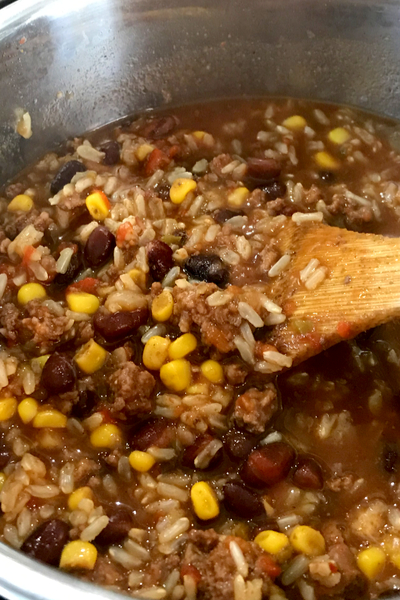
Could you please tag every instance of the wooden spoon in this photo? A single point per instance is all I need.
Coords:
(361, 288)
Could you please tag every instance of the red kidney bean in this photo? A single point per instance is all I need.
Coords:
(119, 325)
(308, 474)
(75, 264)
(99, 246)
(191, 452)
(65, 174)
(85, 405)
(390, 459)
(5, 457)
(153, 433)
(238, 444)
(47, 541)
(111, 150)
(58, 375)
(159, 127)
(268, 465)
(207, 267)
(159, 256)
(262, 170)
(241, 501)
(224, 214)
(327, 177)
(119, 524)
(274, 190)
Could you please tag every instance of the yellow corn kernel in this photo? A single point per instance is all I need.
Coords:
(212, 371)
(143, 150)
(98, 205)
(326, 161)
(155, 352)
(28, 409)
(162, 306)
(238, 197)
(295, 122)
(83, 302)
(339, 136)
(198, 388)
(2, 480)
(49, 417)
(91, 357)
(107, 435)
(371, 561)
(275, 543)
(176, 375)
(183, 345)
(78, 495)
(21, 202)
(307, 540)
(199, 135)
(180, 189)
(204, 500)
(30, 291)
(138, 276)
(78, 555)
(8, 406)
(141, 461)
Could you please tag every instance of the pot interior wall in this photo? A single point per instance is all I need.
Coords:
(80, 64)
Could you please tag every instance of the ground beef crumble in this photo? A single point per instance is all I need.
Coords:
(254, 409)
(132, 387)
(209, 553)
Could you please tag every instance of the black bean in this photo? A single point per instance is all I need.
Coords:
(159, 256)
(119, 524)
(238, 444)
(117, 326)
(268, 465)
(308, 474)
(65, 174)
(207, 267)
(153, 433)
(275, 189)
(75, 265)
(99, 246)
(58, 375)
(242, 501)
(191, 452)
(224, 214)
(111, 150)
(159, 127)
(47, 541)
(327, 177)
(262, 170)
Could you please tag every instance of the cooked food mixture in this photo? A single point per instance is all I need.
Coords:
(153, 439)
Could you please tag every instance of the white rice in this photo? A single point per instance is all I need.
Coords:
(171, 276)
(92, 531)
(123, 558)
(3, 284)
(87, 152)
(66, 478)
(274, 436)
(219, 298)
(153, 593)
(43, 491)
(239, 559)
(244, 349)
(161, 454)
(299, 217)
(171, 491)
(204, 457)
(3, 374)
(280, 265)
(173, 531)
(137, 550)
(248, 313)
(276, 358)
(274, 319)
(158, 329)
(309, 269)
(316, 278)
(269, 305)
(297, 567)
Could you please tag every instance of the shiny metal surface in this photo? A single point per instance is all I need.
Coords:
(78, 64)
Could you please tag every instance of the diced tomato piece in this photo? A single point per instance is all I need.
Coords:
(267, 564)
(192, 571)
(173, 151)
(89, 285)
(107, 418)
(123, 231)
(216, 337)
(157, 159)
(344, 329)
(29, 250)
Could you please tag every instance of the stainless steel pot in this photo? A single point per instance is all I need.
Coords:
(78, 64)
